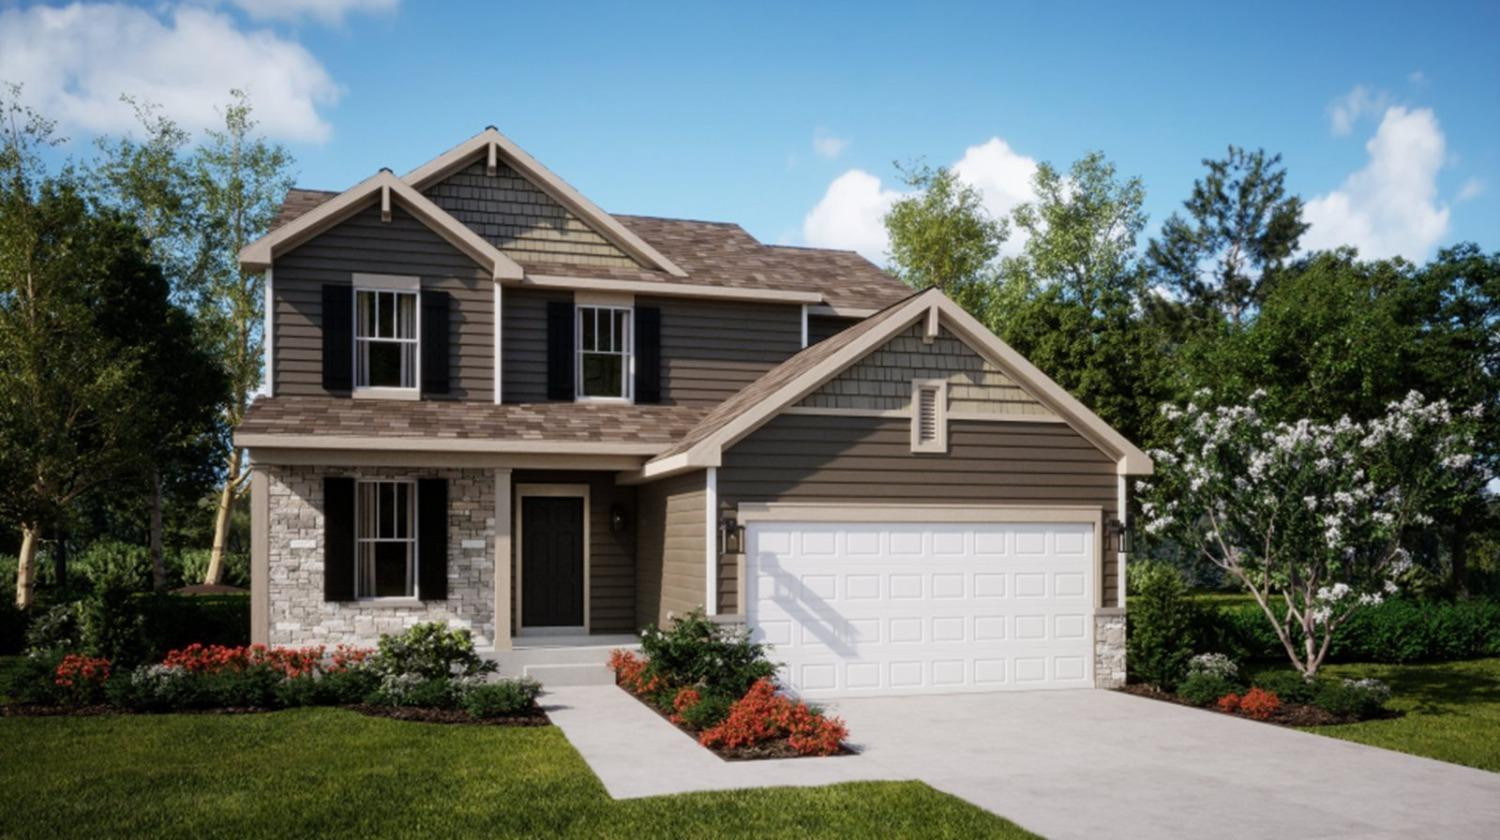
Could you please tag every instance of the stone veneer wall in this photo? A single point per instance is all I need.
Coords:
(881, 381)
(298, 613)
(1109, 650)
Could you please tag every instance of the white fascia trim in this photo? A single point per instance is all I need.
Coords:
(417, 444)
(711, 540)
(267, 340)
(884, 512)
(498, 354)
(544, 178)
(804, 326)
(259, 255)
(665, 289)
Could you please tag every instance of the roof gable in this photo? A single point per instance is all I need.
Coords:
(388, 190)
(881, 381)
(491, 150)
(810, 370)
(521, 220)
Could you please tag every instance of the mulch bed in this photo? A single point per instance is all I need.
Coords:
(1290, 714)
(533, 717)
(771, 749)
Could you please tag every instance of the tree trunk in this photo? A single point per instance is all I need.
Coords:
(26, 567)
(215, 573)
(158, 563)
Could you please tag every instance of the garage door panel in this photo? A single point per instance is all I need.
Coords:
(867, 609)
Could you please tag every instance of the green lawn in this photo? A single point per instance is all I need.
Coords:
(329, 772)
(1452, 711)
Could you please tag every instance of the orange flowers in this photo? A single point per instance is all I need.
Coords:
(765, 715)
(78, 671)
(289, 662)
(1257, 703)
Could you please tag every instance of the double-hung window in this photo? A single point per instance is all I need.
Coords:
(385, 339)
(385, 515)
(604, 348)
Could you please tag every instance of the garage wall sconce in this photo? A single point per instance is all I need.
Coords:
(731, 536)
(1115, 528)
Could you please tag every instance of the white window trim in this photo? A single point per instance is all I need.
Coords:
(939, 443)
(414, 562)
(628, 375)
(387, 283)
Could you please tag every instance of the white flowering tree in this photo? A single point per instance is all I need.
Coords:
(1308, 517)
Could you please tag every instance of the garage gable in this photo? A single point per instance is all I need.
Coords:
(882, 380)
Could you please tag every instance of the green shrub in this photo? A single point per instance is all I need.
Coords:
(55, 630)
(1290, 686)
(175, 621)
(253, 687)
(430, 651)
(1359, 699)
(708, 712)
(157, 688)
(697, 652)
(1159, 634)
(187, 566)
(416, 690)
(1398, 631)
(502, 697)
(111, 564)
(33, 679)
(1203, 688)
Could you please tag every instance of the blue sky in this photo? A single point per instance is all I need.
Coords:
(786, 118)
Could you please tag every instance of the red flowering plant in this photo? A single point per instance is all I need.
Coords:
(218, 659)
(1260, 704)
(764, 714)
(683, 702)
(80, 679)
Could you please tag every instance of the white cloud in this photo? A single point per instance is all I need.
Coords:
(76, 60)
(324, 11)
(826, 145)
(852, 211)
(1353, 106)
(1390, 206)
(851, 215)
(1471, 189)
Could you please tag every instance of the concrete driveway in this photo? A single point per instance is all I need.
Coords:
(1074, 764)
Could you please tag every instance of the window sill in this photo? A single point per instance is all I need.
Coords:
(393, 603)
(614, 400)
(386, 394)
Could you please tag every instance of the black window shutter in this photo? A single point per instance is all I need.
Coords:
(647, 354)
(559, 350)
(338, 539)
(432, 539)
(338, 338)
(435, 331)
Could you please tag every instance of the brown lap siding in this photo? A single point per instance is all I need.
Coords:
(671, 546)
(365, 245)
(814, 458)
(712, 349)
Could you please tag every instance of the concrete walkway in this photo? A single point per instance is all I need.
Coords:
(1071, 764)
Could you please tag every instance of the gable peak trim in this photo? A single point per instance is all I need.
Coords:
(495, 145)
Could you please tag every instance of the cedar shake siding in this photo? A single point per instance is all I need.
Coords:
(710, 350)
(521, 220)
(364, 244)
(869, 459)
(612, 573)
(670, 545)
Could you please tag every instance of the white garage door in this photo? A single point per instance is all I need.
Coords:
(874, 608)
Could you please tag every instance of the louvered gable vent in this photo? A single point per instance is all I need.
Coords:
(929, 422)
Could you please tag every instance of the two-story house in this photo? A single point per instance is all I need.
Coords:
(491, 403)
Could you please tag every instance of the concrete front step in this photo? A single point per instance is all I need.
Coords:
(556, 676)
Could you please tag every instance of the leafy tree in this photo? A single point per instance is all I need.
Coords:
(1241, 228)
(240, 179)
(1070, 299)
(1309, 517)
(942, 236)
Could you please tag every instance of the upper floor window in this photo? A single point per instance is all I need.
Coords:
(604, 350)
(385, 339)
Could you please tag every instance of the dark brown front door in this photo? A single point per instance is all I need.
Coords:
(551, 561)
